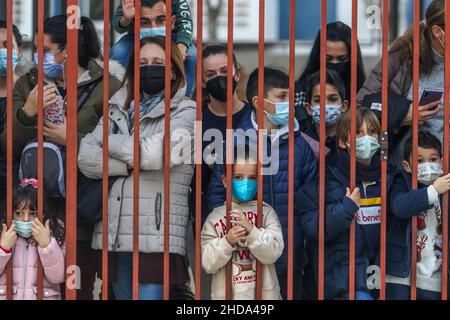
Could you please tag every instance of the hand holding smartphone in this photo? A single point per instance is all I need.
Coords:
(429, 96)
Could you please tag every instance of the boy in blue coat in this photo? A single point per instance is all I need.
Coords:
(276, 176)
(425, 203)
(336, 104)
(343, 206)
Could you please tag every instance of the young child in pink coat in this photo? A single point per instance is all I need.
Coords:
(26, 242)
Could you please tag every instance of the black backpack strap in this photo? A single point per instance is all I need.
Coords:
(87, 93)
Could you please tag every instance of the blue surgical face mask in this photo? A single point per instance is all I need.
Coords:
(152, 32)
(333, 111)
(244, 190)
(281, 116)
(23, 229)
(4, 61)
(51, 68)
(366, 147)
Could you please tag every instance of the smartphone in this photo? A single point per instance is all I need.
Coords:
(429, 96)
(55, 112)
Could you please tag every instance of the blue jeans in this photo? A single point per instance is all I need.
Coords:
(123, 288)
(121, 51)
(363, 295)
(359, 295)
(401, 292)
(297, 286)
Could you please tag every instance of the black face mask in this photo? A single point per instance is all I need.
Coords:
(339, 67)
(342, 68)
(217, 88)
(152, 79)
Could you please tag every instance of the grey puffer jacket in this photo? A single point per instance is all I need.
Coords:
(151, 178)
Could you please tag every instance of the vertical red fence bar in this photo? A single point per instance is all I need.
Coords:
(40, 133)
(167, 150)
(384, 151)
(351, 269)
(446, 154)
(259, 217)
(136, 145)
(416, 70)
(290, 277)
(105, 246)
(72, 138)
(199, 147)
(323, 75)
(9, 88)
(229, 138)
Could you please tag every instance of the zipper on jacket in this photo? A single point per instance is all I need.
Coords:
(25, 273)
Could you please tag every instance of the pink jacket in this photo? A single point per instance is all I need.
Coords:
(25, 265)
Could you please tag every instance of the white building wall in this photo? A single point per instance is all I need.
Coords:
(23, 17)
(246, 20)
(369, 37)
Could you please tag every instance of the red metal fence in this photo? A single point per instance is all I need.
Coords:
(72, 77)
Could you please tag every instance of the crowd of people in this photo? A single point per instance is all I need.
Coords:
(243, 244)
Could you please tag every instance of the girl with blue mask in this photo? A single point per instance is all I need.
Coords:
(89, 81)
(28, 240)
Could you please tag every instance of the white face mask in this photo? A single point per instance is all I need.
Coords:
(428, 172)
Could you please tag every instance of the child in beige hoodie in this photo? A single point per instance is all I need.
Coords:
(244, 244)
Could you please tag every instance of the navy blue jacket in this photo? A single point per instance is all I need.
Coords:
(339, 214)
(276, 189)
(397, 111)
(404, 204)
(330, 143)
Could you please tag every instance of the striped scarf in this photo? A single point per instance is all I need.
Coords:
(145, 107)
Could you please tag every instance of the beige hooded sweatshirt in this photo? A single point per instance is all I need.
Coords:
(264, 244)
